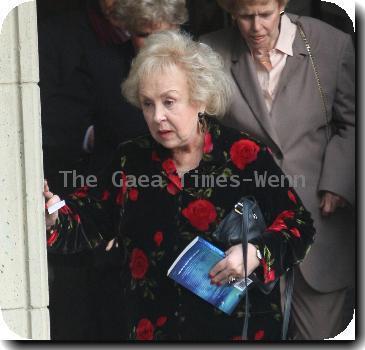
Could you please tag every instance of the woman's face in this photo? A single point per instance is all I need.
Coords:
(170, 115)
(259, 23)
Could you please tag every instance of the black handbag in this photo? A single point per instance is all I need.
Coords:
(244, 223)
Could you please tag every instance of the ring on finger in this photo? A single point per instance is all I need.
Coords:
(232, 279)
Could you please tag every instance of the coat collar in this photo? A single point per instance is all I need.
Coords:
(215, 154)
(299, 54)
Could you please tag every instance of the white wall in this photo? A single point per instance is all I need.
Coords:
(23, 265)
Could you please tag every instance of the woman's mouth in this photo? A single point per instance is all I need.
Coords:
(164, 133)
(258, 39)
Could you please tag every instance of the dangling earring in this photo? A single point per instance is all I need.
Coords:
(202, 122)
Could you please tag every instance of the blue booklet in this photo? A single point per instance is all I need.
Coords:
(191, 270)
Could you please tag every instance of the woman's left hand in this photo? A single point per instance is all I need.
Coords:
(330, 202)
(232, 265)
(50, 199)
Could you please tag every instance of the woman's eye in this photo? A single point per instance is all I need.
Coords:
(245, 17)
(169, 103)
(266, 15)
(146, 104)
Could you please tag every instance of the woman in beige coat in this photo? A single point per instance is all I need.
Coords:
(279, 100)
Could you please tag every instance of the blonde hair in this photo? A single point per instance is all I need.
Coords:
(135, 14)
(231, 6)
(207, 81)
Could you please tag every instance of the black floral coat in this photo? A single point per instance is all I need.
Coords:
(155, 213)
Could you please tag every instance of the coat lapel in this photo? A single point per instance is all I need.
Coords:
(244, 74)
(292, 64)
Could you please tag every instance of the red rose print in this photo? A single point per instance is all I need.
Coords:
(200, 213)
(52, 238)
(264, 266)
(169, 166)
(172, 189)
(138, 264)
(243, 152)
(279, 223)
(292, 197)
(295, 232)
(155, 157)
(76, 217)
(175, 185)
(158, 238)
(105, 196)
(65, 210)
(259, 335)
(175, 179)
(270, 276)
(81, 192)
(286, 214)
(119, 200)
(269, 273)
(133, 194)
(144, 330)
(208, 144)
(161, 321)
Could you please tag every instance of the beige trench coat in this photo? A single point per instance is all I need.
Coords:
(296, 132)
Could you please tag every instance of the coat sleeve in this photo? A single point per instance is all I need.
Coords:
(92, 213)
(339, 161)
(290, 232)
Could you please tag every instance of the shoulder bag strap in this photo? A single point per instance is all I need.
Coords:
(289, 285)
(315, 70)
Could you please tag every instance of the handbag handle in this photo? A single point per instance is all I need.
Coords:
(288, 294)
(316, 75)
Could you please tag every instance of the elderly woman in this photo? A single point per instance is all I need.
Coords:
(300, 103)
(150, 197)
(91, 95)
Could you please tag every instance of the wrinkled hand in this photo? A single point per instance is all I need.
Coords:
(330, 202)
(50, 199)
(232, 265)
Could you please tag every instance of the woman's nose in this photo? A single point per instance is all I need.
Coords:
(159, 115)
(256, 23)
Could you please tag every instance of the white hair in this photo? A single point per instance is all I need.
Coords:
(208, 83)
(135, 14)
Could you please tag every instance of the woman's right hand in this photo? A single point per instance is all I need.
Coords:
(50, 199)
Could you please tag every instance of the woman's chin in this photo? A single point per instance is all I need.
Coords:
(167, 143)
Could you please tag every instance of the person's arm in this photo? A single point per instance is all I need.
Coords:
(91, 214)
(338, 171)
(289, 231)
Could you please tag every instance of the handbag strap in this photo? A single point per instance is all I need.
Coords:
(288, 296)
(316, 75)
(288, 293)
(244, 251)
